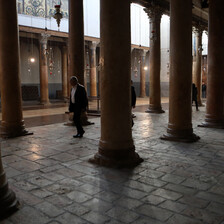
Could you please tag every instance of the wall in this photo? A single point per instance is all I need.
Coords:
(30, 71)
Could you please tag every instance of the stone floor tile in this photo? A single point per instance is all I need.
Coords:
(182, 220)
(211, 197)
(68, 218)
(25, 166)
(40, 181)
(203, 215)
(96, 218)
(193, 201)
(97, 205)
(139, 186)
(11, 172)
(59, 200)
(107, 196)
(153, 199)
(78, 196)
(181, 189)
(123, 215)
(173, 178)
(173, 206)
(216, 208)
(128, 203)
(154, 212)
(167, 194)
(41, 193)
(196, 184)
(77, 209)
(147, 220)
(29, 215)
(49, 209)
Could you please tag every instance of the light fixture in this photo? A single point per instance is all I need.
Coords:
(145, 68)
(32, 60)
(58, 15)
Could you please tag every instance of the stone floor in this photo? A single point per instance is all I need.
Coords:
(178, 183)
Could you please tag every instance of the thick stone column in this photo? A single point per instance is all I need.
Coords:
(154, 13)
(11, 93)
(44, 92)
(65, 72)
(93, 78)
(12, 124)
(197, 71)
(214, 117)
(76, 40)
(142, 74)
(116, 147)
(8, 201)
(180, 109)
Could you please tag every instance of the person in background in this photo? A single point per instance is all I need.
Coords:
(195, 95)
(203, 88)
(78, 103)
(133, 97)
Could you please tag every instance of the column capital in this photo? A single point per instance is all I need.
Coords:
(154, 12)
(44, 38)
(143, 52)
(198, 29)
(93, 45)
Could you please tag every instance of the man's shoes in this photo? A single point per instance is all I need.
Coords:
(79, 135)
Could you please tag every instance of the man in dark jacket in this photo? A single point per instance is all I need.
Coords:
(78, 103)
(195, 95)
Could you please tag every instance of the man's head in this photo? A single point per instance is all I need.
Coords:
(73, 81)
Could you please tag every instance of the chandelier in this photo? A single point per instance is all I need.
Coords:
(58, 15)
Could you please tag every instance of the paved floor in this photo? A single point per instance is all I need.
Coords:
(178, 183)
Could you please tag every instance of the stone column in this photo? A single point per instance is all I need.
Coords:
(197, 71)
(12, 124)
(142, 74)
(93, 78)
(214, 117)
(76, 40)
(65, 72)
(10, 92)
(116, 147)
(154, 13)
(180, 109)
(44, 92)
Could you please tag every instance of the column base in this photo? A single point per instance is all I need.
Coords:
(155, 110)
(45, 103)
(8, 201)
(211, 125)
(116, 158)
(180, 136)
(13, 130)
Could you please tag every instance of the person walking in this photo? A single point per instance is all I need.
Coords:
(78, 104)
(195, 95)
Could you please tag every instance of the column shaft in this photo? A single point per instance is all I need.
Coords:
(180, 109)
(65, 72)
(10, 93)
(116, 147)
(215, 104)
(76, 40)
(154, 13)
(142, 74)
(93, 79)
(12, 124)
(44, 92)
(197, 79)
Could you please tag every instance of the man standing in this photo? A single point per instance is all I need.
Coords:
(78, 103)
